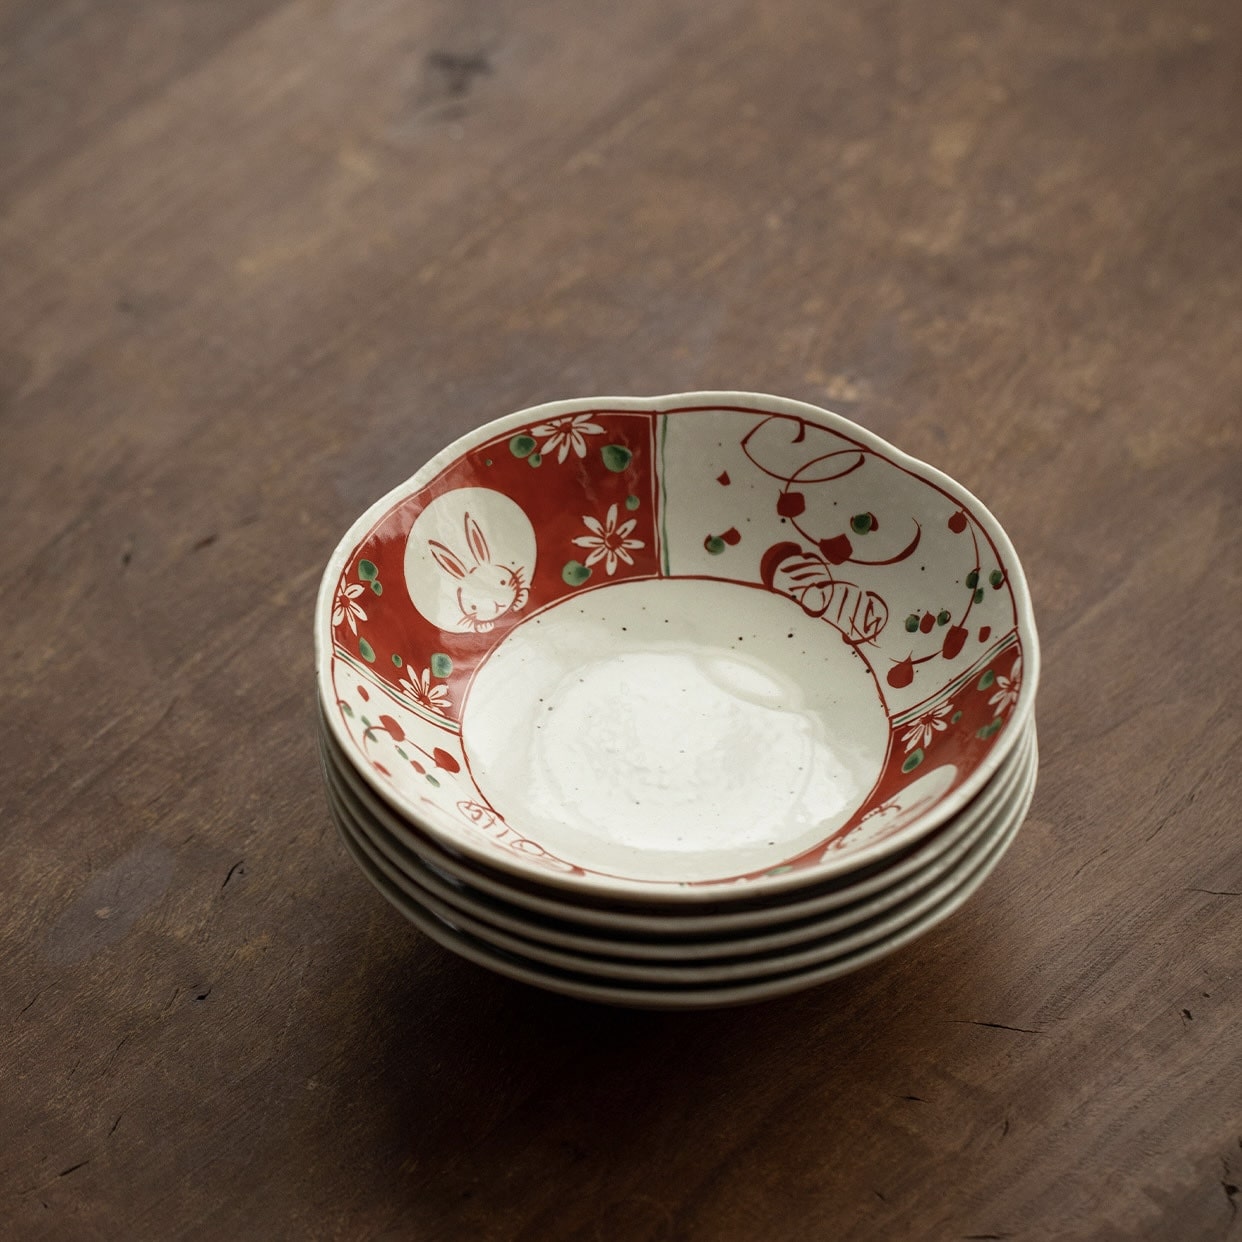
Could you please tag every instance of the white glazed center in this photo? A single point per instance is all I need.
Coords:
(675, 729)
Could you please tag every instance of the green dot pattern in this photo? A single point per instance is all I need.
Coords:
(616, 457)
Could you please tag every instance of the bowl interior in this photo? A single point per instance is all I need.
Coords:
(697, 641)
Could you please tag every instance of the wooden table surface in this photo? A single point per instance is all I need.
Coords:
(259, 260)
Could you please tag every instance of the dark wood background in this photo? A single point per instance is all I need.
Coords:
(259, 260)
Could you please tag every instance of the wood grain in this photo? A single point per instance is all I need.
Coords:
(260, 260)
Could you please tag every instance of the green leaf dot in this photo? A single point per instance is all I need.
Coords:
(987, 679)
(575, 573)
(367, 571)
(912, 622)
(397, 660)
(349, 711)
(366, 651)
(955, 717)
(942, 618)
(535, 459)
(996, 577)
(781, 870)
(861, 522)
(487, 461)
(431, 780)
(631, 503)
(913, 759)
(521, 446)
(972, 579)
(441, 665)
(979, 596)
(988, 730)
(378, 587)
(616, 457)
(714, 544)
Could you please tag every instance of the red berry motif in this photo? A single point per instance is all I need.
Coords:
(837, 550)
(732, 537)
(901, 674)
(926, 623)
(392, 728)
(790, 504)
(445, 760)
(957, 523)
(954, 641)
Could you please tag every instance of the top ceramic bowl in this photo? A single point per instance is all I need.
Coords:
(678, 649)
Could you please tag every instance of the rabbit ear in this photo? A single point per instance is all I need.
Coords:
(446, 560)
(475, 541)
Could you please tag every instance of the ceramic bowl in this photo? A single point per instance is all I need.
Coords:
(647, 993)
(675, 933)
(563, 942)
(678, 649)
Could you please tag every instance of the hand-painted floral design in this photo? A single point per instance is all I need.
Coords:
(609, 542)
(430, 697)
(1007, 688)
(563, 434)
(829, 523)
(923, 728)
(346, 607)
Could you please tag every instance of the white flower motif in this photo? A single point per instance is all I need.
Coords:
(419, 688)
(609, 542)
(1007, 689)
(567, 433)
(346, 607)
(926, 726)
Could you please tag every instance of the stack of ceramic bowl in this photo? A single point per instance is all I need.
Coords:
(677, 703)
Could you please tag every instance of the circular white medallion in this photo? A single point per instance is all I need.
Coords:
(469, 558)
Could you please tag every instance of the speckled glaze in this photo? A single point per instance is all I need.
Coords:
(682, 647)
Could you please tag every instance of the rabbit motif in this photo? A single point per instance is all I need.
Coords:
(485, 591)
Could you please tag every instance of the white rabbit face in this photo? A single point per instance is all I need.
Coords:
(469, 559)
(488, 592)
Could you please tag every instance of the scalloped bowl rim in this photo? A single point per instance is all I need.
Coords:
(592, 885)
